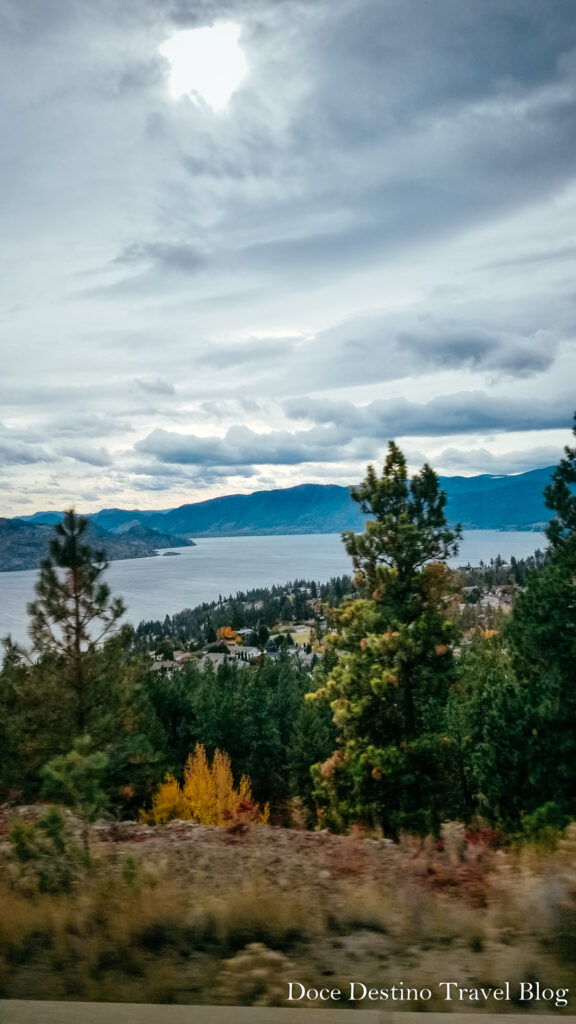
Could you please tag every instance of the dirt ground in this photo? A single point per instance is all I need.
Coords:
(192, 914)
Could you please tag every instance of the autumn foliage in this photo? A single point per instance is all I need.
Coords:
(207, 795)
(229, 635)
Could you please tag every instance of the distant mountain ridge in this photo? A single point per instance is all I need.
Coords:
(485, 502)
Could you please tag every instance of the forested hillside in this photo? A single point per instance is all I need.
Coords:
(23, 545)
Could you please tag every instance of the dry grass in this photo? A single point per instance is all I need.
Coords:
(167, 922)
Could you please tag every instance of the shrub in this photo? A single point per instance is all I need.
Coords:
(545, 825)
(257, 976)
(45, 854)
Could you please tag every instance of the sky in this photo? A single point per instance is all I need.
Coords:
(370, 236)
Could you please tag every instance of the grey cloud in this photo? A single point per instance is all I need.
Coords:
(211, 475)
(160, 479)
(422, 54)
(74, 398)
(22, 433)
(464, 412)
(25, 20)
(182, 257)
(156, 387)
(112, 400)
(242, 446)
(183, 475)
(565, 252)
(237, 163)
(20, 499)
(479, 350)
(441, 113)
(347, 432)
(221, 409)
(87, 454)
(17, 453)
(443, 137)
(139, 74)
(370, 145)
(41, 395)
(475, 348)
(480, 460)
(380, 347)
(153, 483)
(177, 473)
(405, 65)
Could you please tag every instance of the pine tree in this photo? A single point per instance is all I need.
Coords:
(77, 779)
(560, 497)
(542, 633)
(81, 682)
(388, 691)
(73, 611)
(492, 732)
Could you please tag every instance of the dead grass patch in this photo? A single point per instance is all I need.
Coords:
(163, 923)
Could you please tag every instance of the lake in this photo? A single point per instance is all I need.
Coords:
(155, 587)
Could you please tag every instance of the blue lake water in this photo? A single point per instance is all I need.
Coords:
(154, 587)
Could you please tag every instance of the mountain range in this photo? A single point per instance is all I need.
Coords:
(485, 502)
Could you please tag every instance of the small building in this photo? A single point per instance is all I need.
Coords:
(213, 659)
(252, 655)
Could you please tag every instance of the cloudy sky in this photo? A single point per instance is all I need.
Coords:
(374, 238)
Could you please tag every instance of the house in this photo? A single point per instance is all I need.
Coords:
(165, 666)
(212, 659)
(299, 655)
(252, 655)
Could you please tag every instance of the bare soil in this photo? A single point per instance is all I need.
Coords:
(185, 913)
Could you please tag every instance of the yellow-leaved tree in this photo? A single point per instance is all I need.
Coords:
(168, 803)
(208, 795)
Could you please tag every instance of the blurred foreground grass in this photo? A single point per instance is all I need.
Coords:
(192, 914)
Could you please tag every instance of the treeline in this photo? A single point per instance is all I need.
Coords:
(88, 709)
(148, 722)
(497, 572)
(262, 606)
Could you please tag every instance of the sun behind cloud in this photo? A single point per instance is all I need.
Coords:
(206, 62)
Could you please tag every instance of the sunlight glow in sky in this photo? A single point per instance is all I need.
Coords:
(206, 62)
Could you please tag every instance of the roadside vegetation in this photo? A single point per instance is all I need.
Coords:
(198, 914)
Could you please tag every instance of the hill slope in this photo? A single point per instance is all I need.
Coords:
(498, 502)
(23, 545)
(138, 531)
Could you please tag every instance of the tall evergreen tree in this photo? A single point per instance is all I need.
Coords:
(560, 497)
(542, 633)
(388, 691)
(73, 611)
(82, 678)
(491, 729)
